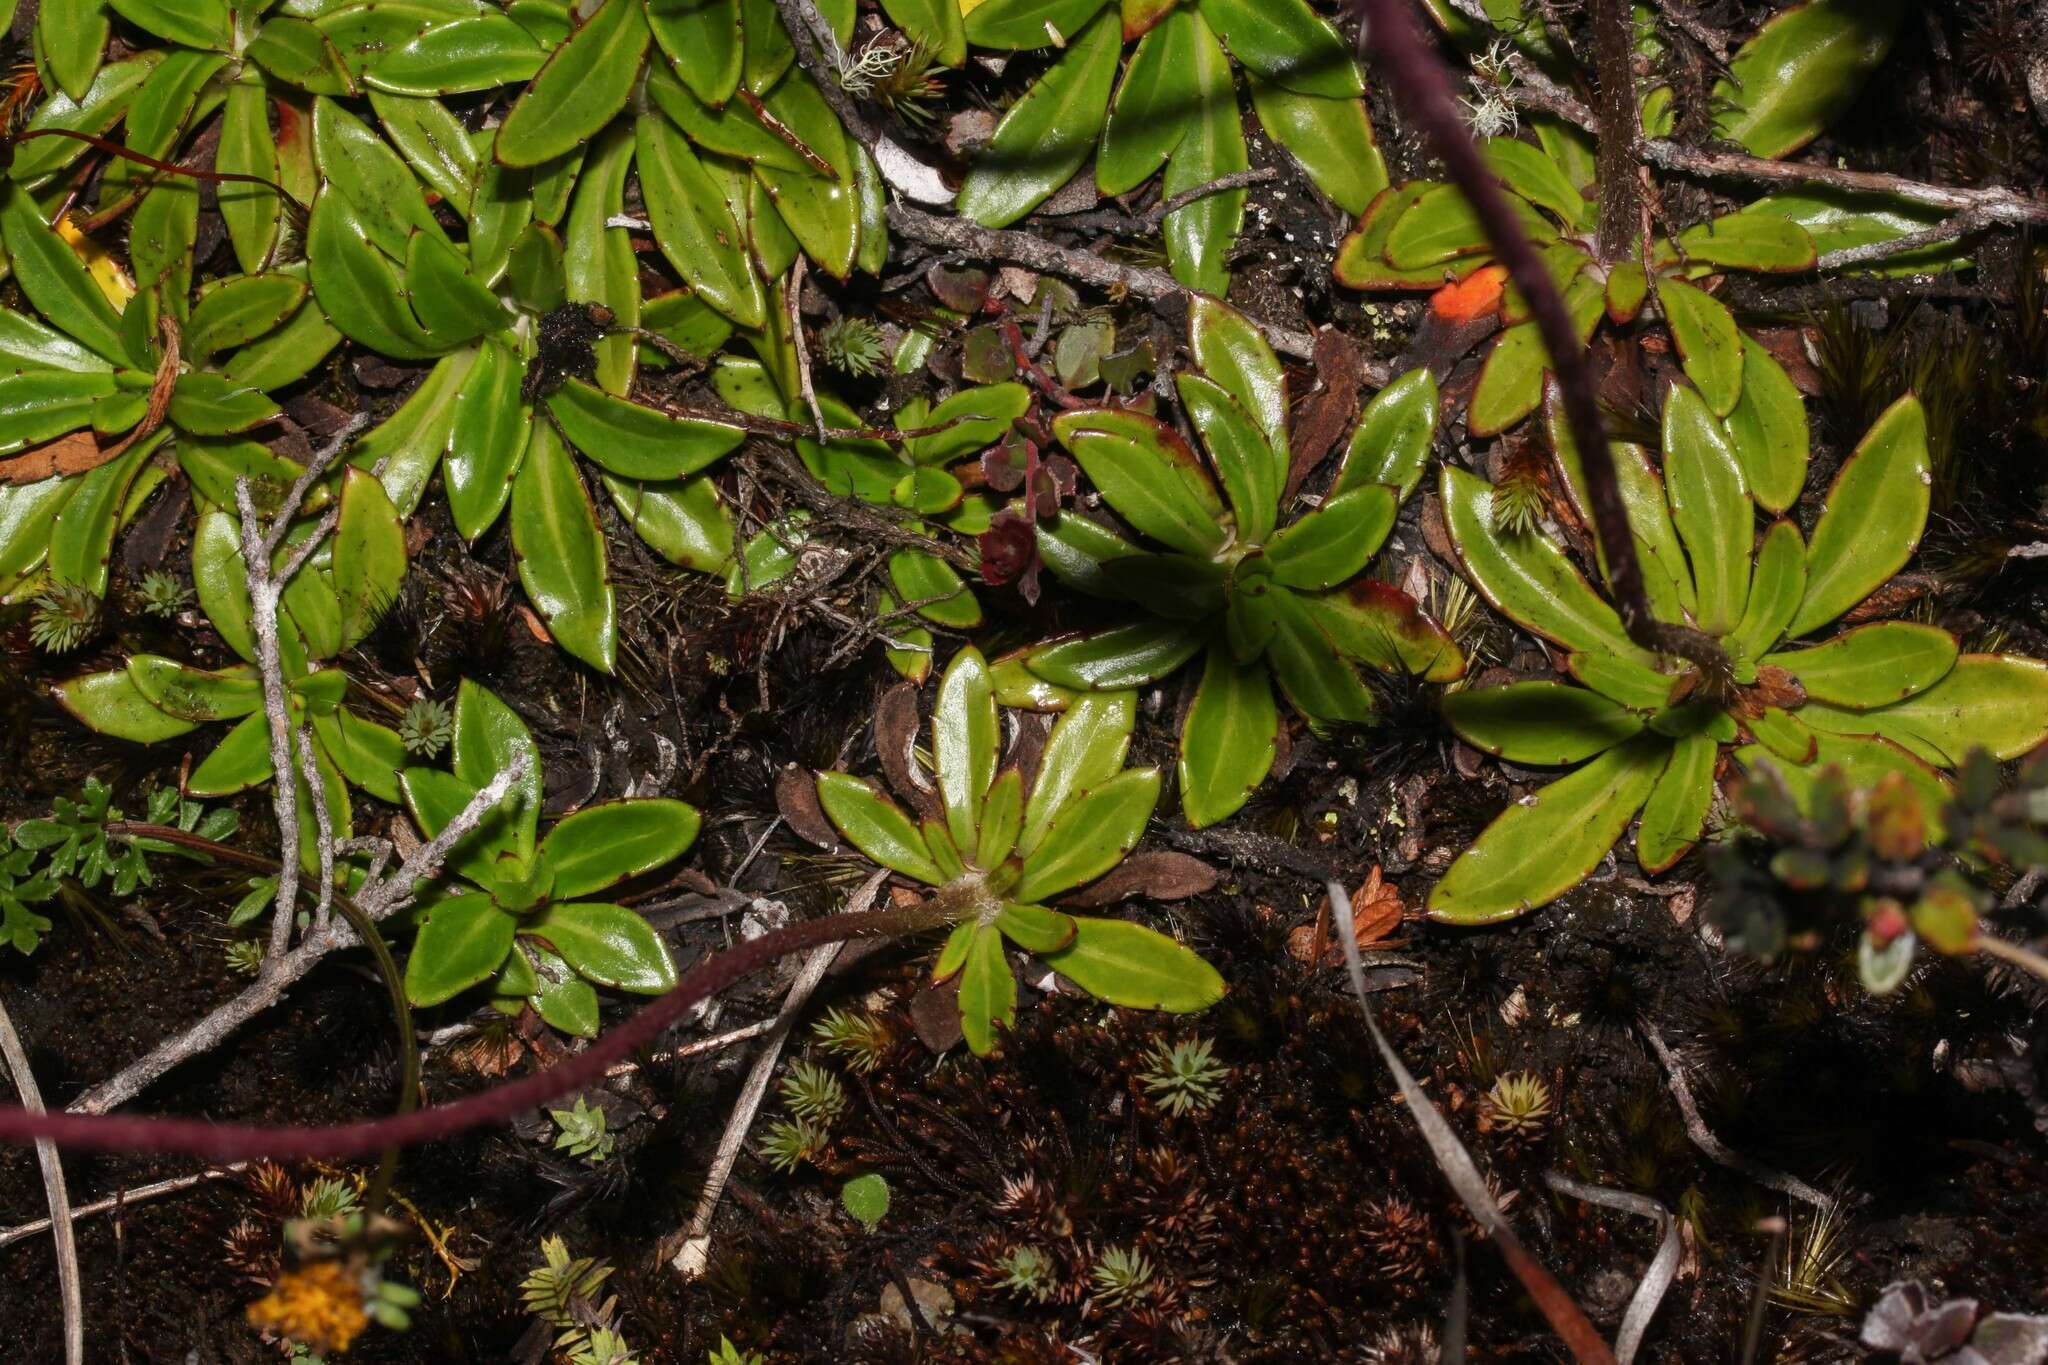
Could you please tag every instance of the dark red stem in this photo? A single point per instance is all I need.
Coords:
(1423, 88)
(222, 1142)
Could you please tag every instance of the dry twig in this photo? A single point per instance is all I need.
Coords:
(69, 1287)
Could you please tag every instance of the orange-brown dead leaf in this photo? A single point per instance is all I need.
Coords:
(1376, 914)
(1471, 298)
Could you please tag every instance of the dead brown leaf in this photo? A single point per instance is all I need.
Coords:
(1376, 914)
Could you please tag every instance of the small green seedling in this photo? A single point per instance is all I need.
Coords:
(866, 1199)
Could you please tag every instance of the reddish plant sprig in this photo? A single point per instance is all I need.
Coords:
(221, 1142)
(1422, 87)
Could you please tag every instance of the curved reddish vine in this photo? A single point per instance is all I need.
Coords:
(238, 1142)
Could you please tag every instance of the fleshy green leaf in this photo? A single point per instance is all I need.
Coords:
(1048, 134)
(1332, 138)
(1091, 835)
(560, 550)
(1153, 106)
(1875, 512)
(1873, 665)
(586, 82)
(1768, 425)
(1199, 235)
(488, 736)
(600, 846)
(1803, 69)
(1776, 586)
(1676, 810)
(1021, 24)
(1086, 749)
(492, 429)
(1392, 440)
(988, 990)
(693, 225)
(1335, 541)
(1378, 624)
(1034, 928)
(1749, 241)
(636, 442)
(877, 826)
(1251, 471)
(462, 942)
(607, 944)
(1551, 840)
(1123, 656)
(195, 694)
(112, 704)
(1287, 43)
(1148, 474)
(1997, 702)
(55, 280)
(1127, 964)
(1227, 744)
(480, 53)
(1708, 342)
(1316, 675)
(1539, 723)
(964, 743)
(1230, 350)
(1710, 508)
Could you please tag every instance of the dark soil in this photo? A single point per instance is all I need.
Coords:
(1300, 1219)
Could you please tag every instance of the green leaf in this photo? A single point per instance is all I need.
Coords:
(1287, 43)
(1511, 381)
(1438, 226)
(253, 213)
(586, 82)
(1316, 675)
(695, 229)
(82, 536)
(469, 55)
(195, 694)
(1228, 742)
(1997, 702)
(1527, 577)
(607, 944)
(1085, 750)
(1049, 134)
(1676, 810)
(1749, 241)
(877, 826)
(111, 704)
(1251, 472)
(1001, 817)
(450, 303)
(1864, 761)
(195, 23)
(1199, 235)
(297, 53)
(1525, 170)
(1802, 70)
(1776, 586)
(434, 144)
(1023, 24)
(734, 131)
(981, 415)
(1768, 425)
(686, 522)
(1091, 834)
(1378, 624)
(1148, 474)
(1707, 340)
(1784, 734)
(1837, 219)
(408, 443)
(1334, 543)
(600, 266)
(1153, 107)
(565, 1000)
(1036, 929)
(921, 577)
(1627, 285)
(935, 23)
(1548, 842)
(964, 743)
(462, 942)
(435, 798)
(1871, 666)
(988, 990)
(1539, 723)
(212, 405)
(1127, 964)
(491, 431)
(1391, 442)
(221, 580)
(635, 442)
(369, 555)
(41, 404)
(1331, 137)
(287, 354)
(237, 310)
(358, 287)
(1875, 512)
(1362, 255)
(55, 280)
(704, 41)
(356, 166)
(239, 762)
(822, 213)
(1710, 508)
(1123, 656)
(367, 754)
(72, 34)
(561, 552)
(1230, 350)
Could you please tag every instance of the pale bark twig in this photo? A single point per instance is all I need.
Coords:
(70, 1288)
(141, 1194)
(1704, 1139)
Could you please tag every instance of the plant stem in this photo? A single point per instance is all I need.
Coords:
(234, 1142)
(1423, 88)
(1621, 193)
